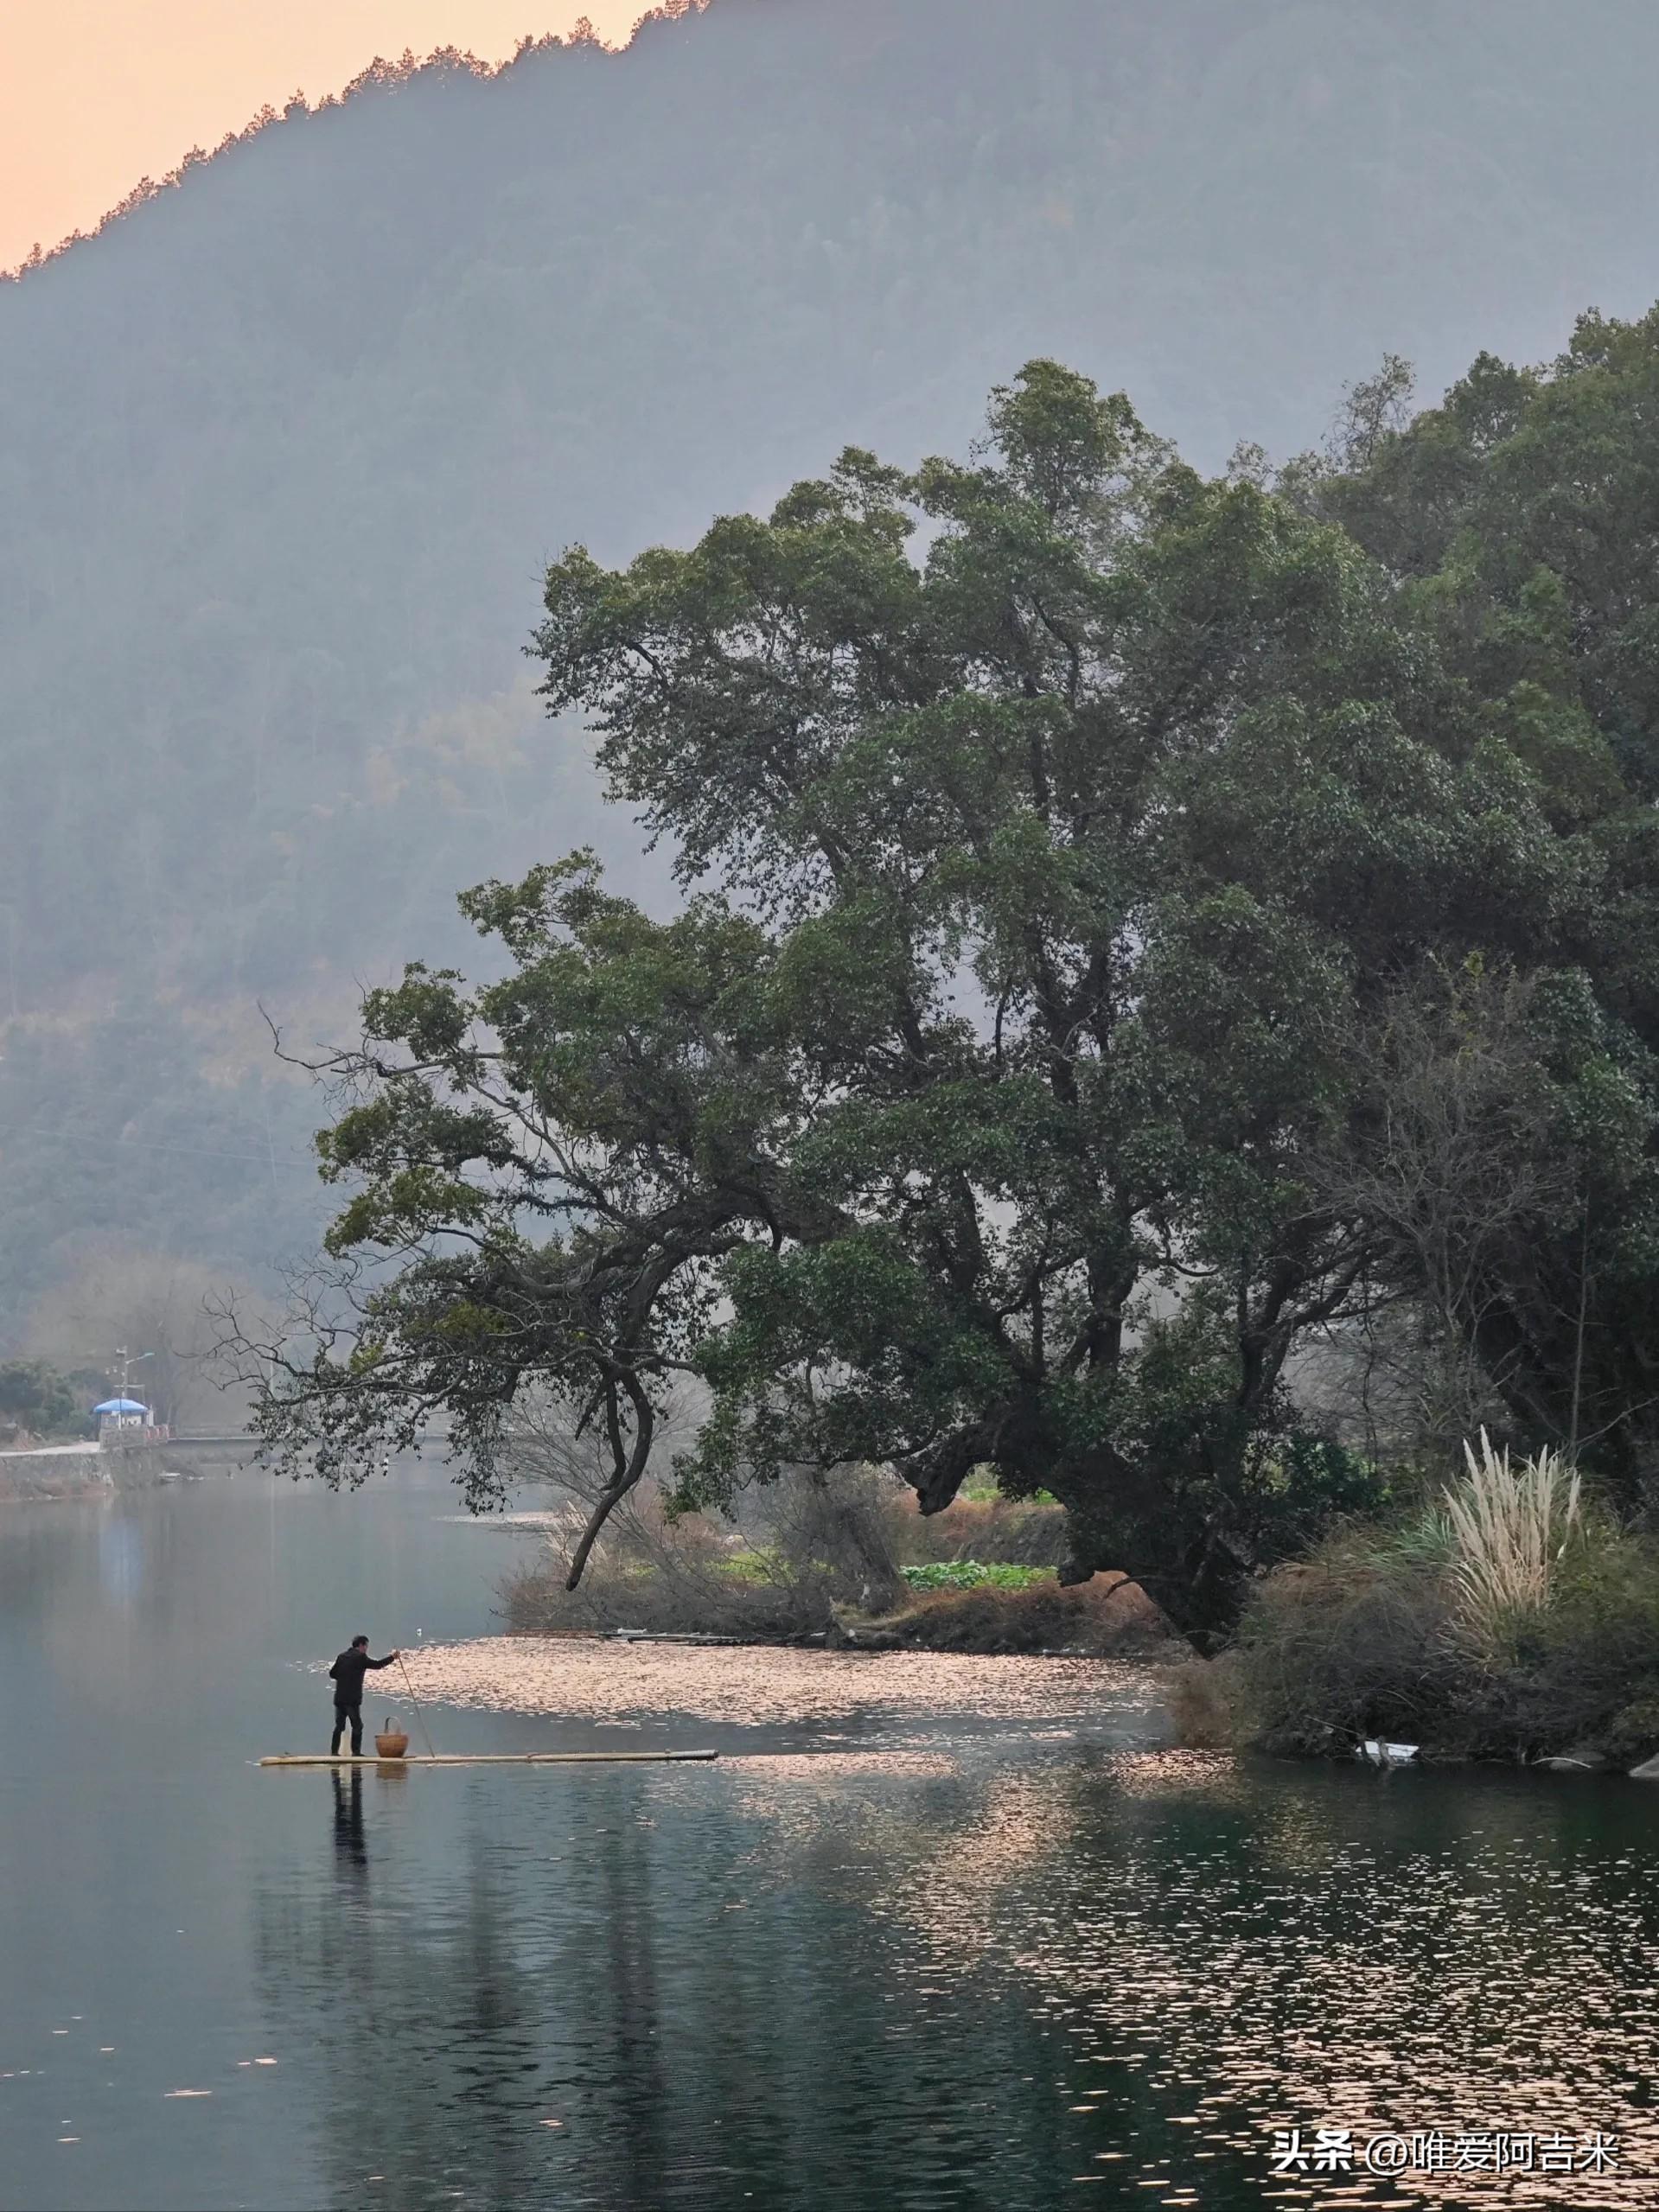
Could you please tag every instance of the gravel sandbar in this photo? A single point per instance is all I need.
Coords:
(594, 1678)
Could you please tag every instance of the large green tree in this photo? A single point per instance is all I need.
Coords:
(1056, 826)
(36, 1399)
(1518, 525)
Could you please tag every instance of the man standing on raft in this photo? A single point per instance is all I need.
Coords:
(347, 1675)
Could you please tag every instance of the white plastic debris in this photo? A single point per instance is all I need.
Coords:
(1380, 1754)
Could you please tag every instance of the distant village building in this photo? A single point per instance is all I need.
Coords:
(121, 1420)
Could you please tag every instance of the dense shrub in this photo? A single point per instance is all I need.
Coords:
(36, 1401)
(808, 1547)
(1517, 1623)
(810, 1559)
(1350, 1643)
(614, 1595)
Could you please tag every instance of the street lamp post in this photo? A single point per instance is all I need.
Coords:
(129, 1361)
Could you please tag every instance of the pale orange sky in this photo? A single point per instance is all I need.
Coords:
(96, 94)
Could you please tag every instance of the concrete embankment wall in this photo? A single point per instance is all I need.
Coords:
(63, 1474)
(56, 1474)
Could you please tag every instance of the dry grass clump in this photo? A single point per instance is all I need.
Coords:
(1012, 1532)
(1351, 1642)
(1104, 1617)
(1510, 1533)
(536, 1602)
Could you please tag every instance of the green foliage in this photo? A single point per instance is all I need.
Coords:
(1305, 1482)
(752, 1567)
(1059, 830)
(34, 1397)
(974, 1574)
(1516, 520)
(980, 1487)
(764, 1566)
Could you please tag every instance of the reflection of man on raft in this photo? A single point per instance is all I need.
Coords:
(350, 1841)
(347, 1675)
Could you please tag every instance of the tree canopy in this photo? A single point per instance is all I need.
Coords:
(1517, 524)
(1058, 829)
(36, 1399)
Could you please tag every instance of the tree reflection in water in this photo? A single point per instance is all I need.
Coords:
(630, 1959)
(956, 1982)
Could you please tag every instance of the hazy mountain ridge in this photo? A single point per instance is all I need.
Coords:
(281, 451)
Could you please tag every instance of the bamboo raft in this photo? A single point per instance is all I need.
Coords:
(488, 1758)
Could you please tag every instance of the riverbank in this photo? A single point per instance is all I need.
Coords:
(1108, 1618)
(91, 1471)
(62, 1470)
(852, 1564)
(1511, 1617)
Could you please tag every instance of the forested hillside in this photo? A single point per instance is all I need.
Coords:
(285, 449)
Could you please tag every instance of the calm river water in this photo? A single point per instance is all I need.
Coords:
(947, 1960)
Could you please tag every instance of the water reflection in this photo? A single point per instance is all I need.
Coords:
(351, 1846)
(120, 1556)
(952, 1962)
(983, 1987)
(1226, 1951)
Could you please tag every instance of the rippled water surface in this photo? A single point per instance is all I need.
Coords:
(931, 1933)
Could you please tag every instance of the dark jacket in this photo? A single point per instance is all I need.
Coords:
(347, 1675)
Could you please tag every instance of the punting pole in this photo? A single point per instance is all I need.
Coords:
(415, 1701)
(490, 1759)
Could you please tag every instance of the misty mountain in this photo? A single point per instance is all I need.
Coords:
(285, 449)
